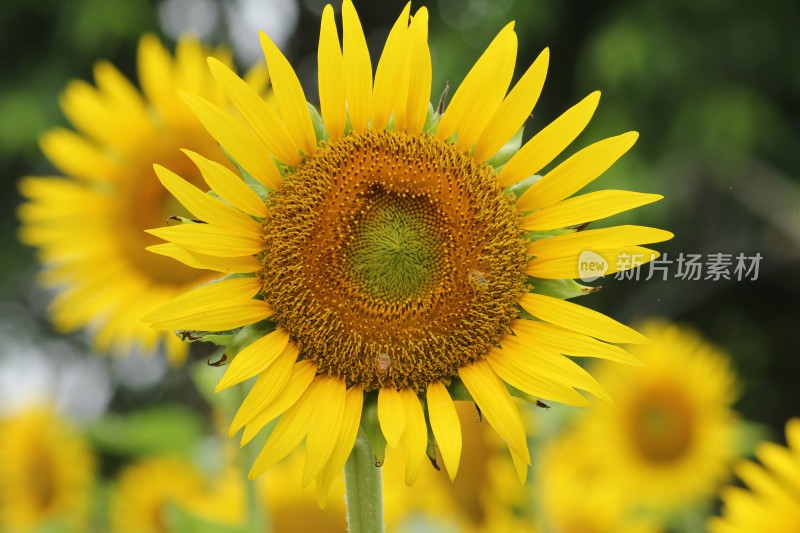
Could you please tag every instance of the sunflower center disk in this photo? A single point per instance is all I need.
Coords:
(661, 426)
(395, 251)
(392, 259)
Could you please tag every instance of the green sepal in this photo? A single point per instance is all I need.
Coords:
(560, 288)
(431, 120)
(372, 428)
(518, 189)
(430, 450)
(538, 235)
(522, 395)
(506, 152)
(458, 392)
(249, 334)
(259, 188)
(320, 131)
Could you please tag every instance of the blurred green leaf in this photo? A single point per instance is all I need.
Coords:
(161, 430)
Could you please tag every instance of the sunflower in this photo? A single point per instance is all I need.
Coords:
(669, 437)
(773, 501)
(46, 473)
(395, 263)
(573, 495)
(145, 492)
(89, 226)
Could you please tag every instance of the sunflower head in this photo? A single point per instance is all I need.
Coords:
(46, 473)
(401, 257)
(89, 224)
(148, 493)
(669, 437)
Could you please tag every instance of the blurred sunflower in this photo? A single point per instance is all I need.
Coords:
(484, 497)
(292, 507)
(573, 495)
(144, 493)
(392, 264)
(669, 437)
(46, 473)
(773, 501)
(89, 226)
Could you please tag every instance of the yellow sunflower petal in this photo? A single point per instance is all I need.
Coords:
(354, 401)
(758, 480)
(332, 95)
(586, 208)
(523, 351)
(228, 185)
(190, 72)
(289, 96)
(598, 238)
(289, 431)
(548, 143)
(576, 344)
(531, 382)
(239, 141)
(203, 206)
(574, 173)
(515, 109)
(325, 426)
(782, 460)
(357, 68)
(578, 318)
(414, 440)
(227, 265)
(303, 374)
(254, 358)
(92, 114)
(445, 425)
(565, 265)
(391, 76)
(391, 415)
(265, 123)
(118, 89)
(211, 240)
(520, 465)
(793, 433)
(485, 83)
(154, 65)
(420, 75)
(492, 397)
(214, 307)
(75, 156)
(267, 387)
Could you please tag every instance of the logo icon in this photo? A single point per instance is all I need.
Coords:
(591, 266)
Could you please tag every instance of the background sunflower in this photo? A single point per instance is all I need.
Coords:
(706, 84)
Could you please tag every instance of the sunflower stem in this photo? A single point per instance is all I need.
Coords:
(257, 518)
(363, 489)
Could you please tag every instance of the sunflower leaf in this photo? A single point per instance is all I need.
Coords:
(159, 430)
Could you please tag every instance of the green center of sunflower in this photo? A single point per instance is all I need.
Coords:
(395, 248)
(392, 259)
